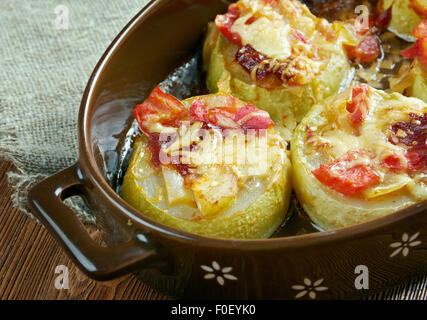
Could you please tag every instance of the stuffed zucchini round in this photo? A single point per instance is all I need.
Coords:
(277, 55)
(411, 79)
(360, 155)
(211, 165)
(405, 15)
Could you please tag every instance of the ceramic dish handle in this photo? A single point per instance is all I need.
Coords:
(101, 263)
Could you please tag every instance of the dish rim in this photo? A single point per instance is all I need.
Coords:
(94, 175)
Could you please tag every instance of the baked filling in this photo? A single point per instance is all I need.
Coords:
(278, 43)
(206, 157)
(371, 147)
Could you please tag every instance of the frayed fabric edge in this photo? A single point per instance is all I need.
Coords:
(22, 182)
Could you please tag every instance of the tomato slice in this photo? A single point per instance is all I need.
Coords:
(419, 49)
(366, 51)
(346, 178)
(358, 106)
(159, 107)
(225, 22)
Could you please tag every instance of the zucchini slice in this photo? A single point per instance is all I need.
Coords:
(360, 155)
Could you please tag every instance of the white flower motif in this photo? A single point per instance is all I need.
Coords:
(403, 246)
(218, 273)
(309, 288)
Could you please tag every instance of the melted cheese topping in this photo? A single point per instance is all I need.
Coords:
(222, 165)
(297, 43)
(271, 37)
(332, 136)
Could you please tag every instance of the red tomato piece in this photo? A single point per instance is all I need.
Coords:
(251, 20)
(366, 51)
(159, 107)
(420, 31)
(417, 158)
(358, 105)
(411, 52)
(344, 178)
(225, 22)
(392, 163)
(423, 50)
(419, 49)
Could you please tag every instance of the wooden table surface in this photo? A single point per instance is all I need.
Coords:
(29, 257)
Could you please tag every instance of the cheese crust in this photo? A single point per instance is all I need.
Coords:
(326, 135)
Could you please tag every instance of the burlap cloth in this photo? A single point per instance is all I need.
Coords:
(48, 49)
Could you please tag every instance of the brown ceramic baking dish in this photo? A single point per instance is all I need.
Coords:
(322, 265)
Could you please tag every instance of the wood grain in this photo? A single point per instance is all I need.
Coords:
(29, 256)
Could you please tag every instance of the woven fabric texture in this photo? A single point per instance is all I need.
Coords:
(48, 49)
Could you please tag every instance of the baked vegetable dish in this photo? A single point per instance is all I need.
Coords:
(277, 55)
(360, 155)
(346, 96)
(211, 165)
